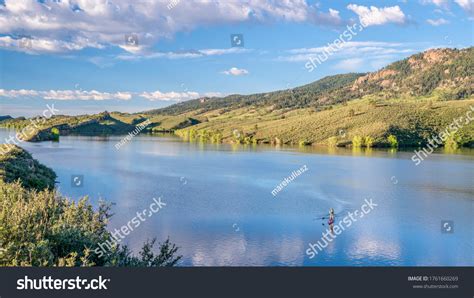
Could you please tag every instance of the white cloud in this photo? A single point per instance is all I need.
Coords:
(84, 95)
(353, 56)
(18, 93)
(183, 54)
(234, 71)
(66, 94)
(98, 95)
(363, 64)
(169, 96)
(350, 49)
(467, 5)
(439, 3)
(34, 45)
(354, 64)
(330, 18)
(212, 94)
(437, 22)
(378, 16)
(71, 25)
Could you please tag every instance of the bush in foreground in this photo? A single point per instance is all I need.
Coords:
(42, 228)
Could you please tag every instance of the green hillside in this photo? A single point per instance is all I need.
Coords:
(411, 121)
(17, 164)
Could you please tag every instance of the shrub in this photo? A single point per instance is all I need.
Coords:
(373, 102)
(204, 136)
(146, 258)
(55, 133)
(42, 228)
(192, 134)
(392, 141)
(351, 113)
(332, 142)
(452, 142)
(303, 143)
(368, 141)
(357, 142)
(216, 138)
(238, 136)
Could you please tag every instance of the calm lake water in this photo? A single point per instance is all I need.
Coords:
(220, 210)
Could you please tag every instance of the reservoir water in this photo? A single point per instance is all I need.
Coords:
(220, 209)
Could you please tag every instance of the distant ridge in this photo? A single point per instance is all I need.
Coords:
(449, 72)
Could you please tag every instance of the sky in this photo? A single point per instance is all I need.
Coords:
(87, 56)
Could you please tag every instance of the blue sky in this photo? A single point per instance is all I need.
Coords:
(74, 53)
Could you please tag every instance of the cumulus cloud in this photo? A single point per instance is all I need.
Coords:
(437, 22)
(234, 71)
(98, 95)
(372, 16)
(69, 25)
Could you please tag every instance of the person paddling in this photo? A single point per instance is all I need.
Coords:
(331, 219)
